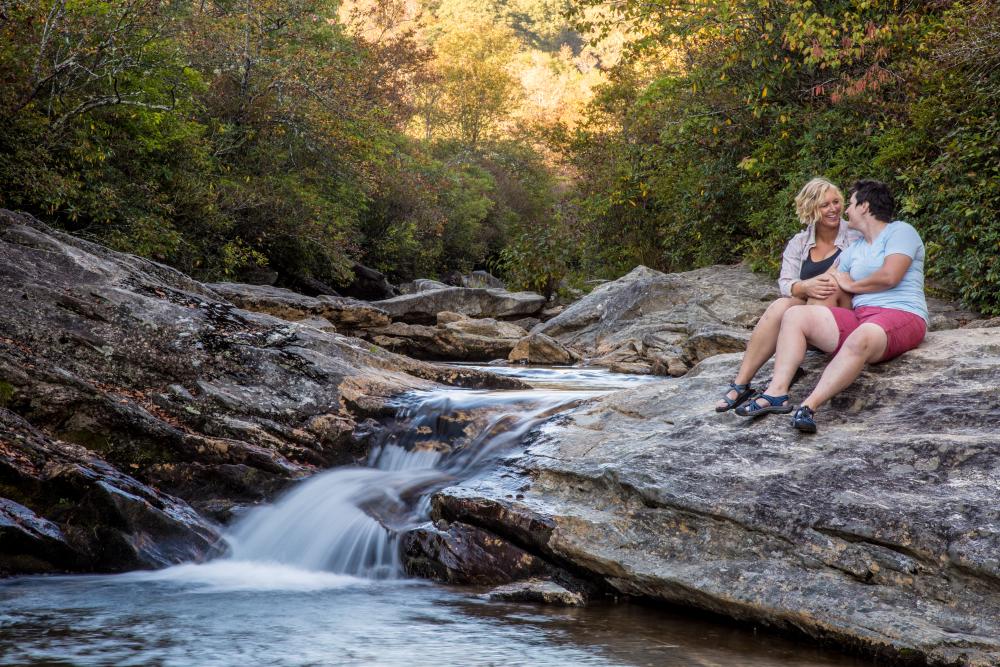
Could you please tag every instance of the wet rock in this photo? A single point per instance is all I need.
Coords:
(460, 554)
(540, 349)
(880, 532)
(536, 590)
(30, 544)
(70, 510)
(423, 307)
(345, 314)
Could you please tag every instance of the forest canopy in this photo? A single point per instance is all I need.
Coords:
(548, 141)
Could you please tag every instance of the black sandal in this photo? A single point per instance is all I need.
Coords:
(743, 393)
(775, 405)
(803, 419)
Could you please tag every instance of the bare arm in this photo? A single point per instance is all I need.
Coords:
(893, 269)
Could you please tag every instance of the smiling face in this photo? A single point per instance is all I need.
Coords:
(819, 203)
(829, 208)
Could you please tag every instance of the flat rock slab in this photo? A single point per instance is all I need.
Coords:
(347, 314)
(423, 307)
(456, 337)
(880, 532)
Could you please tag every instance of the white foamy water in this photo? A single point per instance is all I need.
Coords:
(229, 576)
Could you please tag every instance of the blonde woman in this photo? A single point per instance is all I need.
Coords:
(806, 278)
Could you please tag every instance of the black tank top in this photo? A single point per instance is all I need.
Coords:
(811, 269)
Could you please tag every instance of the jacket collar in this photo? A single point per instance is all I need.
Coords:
(842, 235)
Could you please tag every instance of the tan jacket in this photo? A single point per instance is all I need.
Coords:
(798, 249)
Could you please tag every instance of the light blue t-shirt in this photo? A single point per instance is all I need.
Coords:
(862, 259)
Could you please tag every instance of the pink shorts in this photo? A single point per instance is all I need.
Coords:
(904, 330)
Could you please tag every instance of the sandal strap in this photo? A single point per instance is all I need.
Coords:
(773, 400)
(739, 387)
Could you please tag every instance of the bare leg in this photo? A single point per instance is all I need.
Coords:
(800, 327)
(865, 345)
(762, 341)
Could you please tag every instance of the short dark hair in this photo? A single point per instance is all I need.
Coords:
(880, 200)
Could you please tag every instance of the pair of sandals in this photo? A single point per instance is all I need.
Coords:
(746, 404)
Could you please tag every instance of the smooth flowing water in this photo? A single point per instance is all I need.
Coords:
(316, 578)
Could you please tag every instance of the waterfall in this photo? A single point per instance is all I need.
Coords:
(349, 520)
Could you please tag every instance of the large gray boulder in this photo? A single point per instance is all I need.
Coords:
(162, 379)
(881, 532)
(648, 321)
(423, 307)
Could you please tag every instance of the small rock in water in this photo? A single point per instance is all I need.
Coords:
(536, 590)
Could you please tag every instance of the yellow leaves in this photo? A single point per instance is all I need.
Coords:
(763, 93)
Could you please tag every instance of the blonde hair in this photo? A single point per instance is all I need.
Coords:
(809, 197)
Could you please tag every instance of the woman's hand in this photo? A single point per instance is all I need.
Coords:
(821, 287)
(843, 278)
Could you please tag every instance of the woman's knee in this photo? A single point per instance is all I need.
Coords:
(795, 314)
(778, 307)
(772, 317)
(867, 341)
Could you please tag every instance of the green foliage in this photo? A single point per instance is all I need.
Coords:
(696, 159)
(949, 155)
(220, 138)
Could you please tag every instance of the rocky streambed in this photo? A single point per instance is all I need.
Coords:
(140, 409)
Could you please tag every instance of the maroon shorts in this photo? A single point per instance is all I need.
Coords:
(904, 330)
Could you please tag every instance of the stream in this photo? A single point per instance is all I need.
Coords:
(316, 578)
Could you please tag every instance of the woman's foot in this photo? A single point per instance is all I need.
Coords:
(803, 419)
(765, 404)
(737, 395)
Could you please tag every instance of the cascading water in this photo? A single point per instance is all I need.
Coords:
(349, 520)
